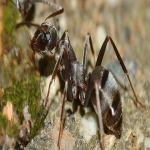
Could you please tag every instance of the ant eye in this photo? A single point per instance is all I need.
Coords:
(43, 39)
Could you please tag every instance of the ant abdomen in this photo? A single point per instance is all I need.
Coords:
(113, 116)
(110, 99)
(111, 102)
(45, 38)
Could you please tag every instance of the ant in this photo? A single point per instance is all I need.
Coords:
(27, 7)
(71, 70)
(99, 88)
(44, 40)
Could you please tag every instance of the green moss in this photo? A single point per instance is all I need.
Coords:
(25, 92)
(7, 126)
(11, 129)
(39, 122)
(10, 17)
(3, 121)
(9, 22)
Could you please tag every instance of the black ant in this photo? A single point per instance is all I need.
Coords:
(27, 7)
(100, 87)
(71, 70)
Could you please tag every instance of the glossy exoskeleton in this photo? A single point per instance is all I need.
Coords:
(104, 94)
(72, 71)
(44, 39)
(100, 87)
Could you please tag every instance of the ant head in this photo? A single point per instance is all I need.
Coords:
(44, 39)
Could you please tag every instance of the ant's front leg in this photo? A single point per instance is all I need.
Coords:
(53, 76)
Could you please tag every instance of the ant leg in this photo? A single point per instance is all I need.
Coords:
(91, 45)
(65, 34)
(99, 113)
(88, 92)
(125, 71)
(56, 67)
(101, 53)
(53, 76)
(99, 61)
(88, 41)
(62, 113)
(85, 52)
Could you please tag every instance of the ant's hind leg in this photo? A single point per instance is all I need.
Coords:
(100, 58)
(99, 113)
